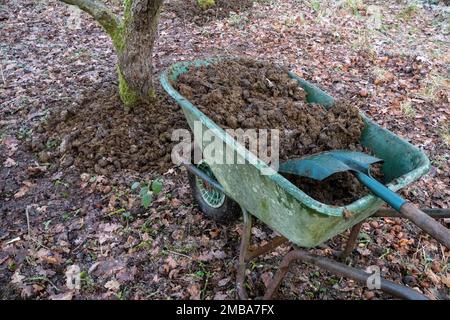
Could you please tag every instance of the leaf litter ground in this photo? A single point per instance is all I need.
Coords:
(55, 216)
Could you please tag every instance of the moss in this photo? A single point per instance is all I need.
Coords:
(118, 35)
(118, 38)
(151, 95)
(127, 95)
(205, 4)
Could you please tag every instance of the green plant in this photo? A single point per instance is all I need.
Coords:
(237, 20)
(47, 224)
(408, 109)
(24, 133)
(445, 134)
(205, 275)
(434, 86)
(147, 190)
(51, 144)
(206, 4)
(86, 279)
(409, 12)
(289, 22)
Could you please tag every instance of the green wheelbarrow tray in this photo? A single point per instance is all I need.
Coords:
(275, 200)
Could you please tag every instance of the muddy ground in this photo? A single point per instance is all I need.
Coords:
(189, 10)
(55, 215)
(103, 138)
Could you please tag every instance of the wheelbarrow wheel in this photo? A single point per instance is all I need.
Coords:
(213, 203)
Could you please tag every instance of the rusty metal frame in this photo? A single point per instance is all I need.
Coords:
(248, 253)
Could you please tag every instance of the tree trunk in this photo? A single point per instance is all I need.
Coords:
(133, 38)
(139, 31)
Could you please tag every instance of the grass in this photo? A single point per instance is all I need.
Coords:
(264, 2)
(375, 19)
(363, 42)
(315, 5)
(408, 109)
(204, 274)
(440, 160)
(289, 22)
(354, 6)
(409, 12)
(445, 134)
(237, 20)
(434, 85)
(379, 73)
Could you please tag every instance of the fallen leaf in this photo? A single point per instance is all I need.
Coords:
(23, 190)
(11, 144)
(266, 278)
(9, 162)
(112, 285)
(432, 276)
(47, 256)
(17, 278)
(446, 280)
(62, 296)
(110, 227)
(194, 291)
(223, 282)
(171, 262)
(220, 296)
(36, 170)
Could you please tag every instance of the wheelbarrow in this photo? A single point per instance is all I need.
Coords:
(221, 189)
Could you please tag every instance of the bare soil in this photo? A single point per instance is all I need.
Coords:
(249, 94)
(103, 137)
(188, 10)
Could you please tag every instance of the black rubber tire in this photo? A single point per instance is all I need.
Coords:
(228, 212)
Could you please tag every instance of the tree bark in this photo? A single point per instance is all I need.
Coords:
(140, 30)
(133, 38)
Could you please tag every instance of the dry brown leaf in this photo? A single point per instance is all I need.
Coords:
(9, 162)
(24, 189)
(432, 276)
(446, 280)
(62, 296)
(17, 278)
(47, 256)
(266, 278)
(112, 285)
(171, 262)
(194, 291)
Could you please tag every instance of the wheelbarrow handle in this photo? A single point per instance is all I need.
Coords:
(406, 209)
(427, 223)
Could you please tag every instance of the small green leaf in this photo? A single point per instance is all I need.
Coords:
(126, 215)
(135, 185)
(157, 186)
(143, 191)
(146, 200)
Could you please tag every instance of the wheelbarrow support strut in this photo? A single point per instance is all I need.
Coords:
(246, 254)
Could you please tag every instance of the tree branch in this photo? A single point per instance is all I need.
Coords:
(99, 11)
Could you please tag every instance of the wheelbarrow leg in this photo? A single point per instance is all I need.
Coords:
(257, 251)
(338, 269)
(351, 242)
(246, 253)
(243, 251)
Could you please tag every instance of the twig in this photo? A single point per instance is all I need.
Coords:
(2, 74)
(179, 254)
(42, 278)
(28, 221)
(13, 240)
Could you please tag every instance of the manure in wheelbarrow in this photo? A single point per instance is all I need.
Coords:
(249, 94)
